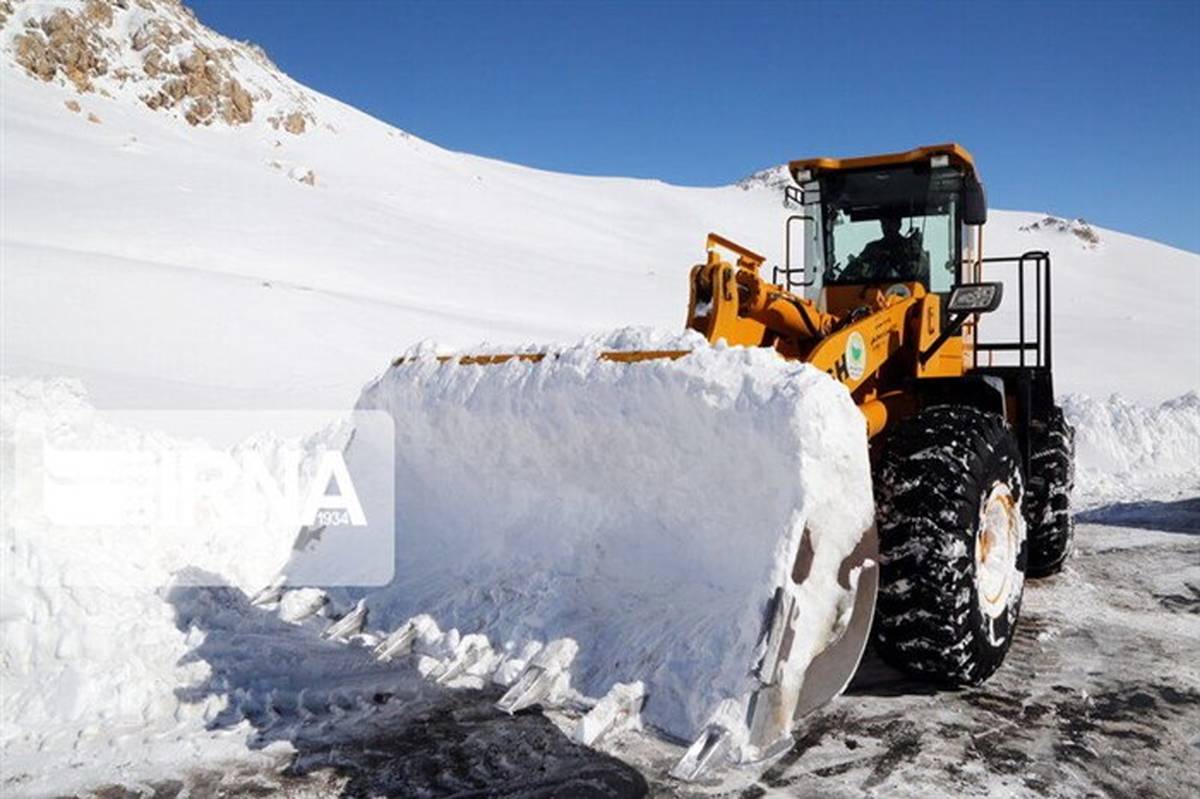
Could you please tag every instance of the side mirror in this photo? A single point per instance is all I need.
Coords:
(974, 201)
(969, 298)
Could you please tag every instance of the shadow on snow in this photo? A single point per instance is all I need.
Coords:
(380, 728)
(1177, 516)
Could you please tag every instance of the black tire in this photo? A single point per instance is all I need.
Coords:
(1048, 495)
(933, 475)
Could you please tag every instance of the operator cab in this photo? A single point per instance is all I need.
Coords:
(888, 222)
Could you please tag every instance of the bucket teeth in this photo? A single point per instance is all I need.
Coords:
(713, 749)
(401, 641)
(543, 679)
(512, 664)
(350, 624)
(472, 651)
(270, 594)
(619, 707)
(299, 604)
(534, 685)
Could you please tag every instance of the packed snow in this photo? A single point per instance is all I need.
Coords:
(651, 466)
(1127, 451)
(150, 263)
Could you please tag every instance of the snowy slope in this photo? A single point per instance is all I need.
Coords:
(125, 238)
(252, 261)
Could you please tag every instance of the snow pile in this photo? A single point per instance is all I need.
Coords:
(93, 651)
(647, 511)
(1125, 450)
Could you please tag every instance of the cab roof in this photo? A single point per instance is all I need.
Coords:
(957, 153)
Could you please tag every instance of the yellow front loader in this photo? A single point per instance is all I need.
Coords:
(969, 461)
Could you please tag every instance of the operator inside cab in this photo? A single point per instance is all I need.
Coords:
(893, 257)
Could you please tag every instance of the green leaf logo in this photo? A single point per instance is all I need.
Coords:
(855, 355)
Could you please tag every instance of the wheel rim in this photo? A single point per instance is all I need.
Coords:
(996, 546)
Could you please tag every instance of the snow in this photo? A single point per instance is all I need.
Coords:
(1126, 451)
(146, 263)
(652, 467)
(93, 649)
(168, 228)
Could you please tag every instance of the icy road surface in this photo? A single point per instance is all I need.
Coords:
(1100, 694)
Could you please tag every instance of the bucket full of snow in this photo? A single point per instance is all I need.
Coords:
(696, 525)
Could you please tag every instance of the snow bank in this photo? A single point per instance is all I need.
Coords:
(95, 662)
(648, 511)
(1127, 451)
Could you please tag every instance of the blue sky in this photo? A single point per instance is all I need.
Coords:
(1085, 109)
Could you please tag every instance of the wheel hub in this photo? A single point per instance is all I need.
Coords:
(996, 547)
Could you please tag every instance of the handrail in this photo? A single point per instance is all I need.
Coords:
(1041, 345)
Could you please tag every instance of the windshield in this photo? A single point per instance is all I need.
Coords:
(891, 225)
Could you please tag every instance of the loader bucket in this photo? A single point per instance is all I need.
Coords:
(695, 518)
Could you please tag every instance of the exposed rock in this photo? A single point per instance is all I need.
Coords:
(31, 54)
(72, 105)
(203, 81)
(775, 177)
(199, 112)
(93, 118)
(1077, 227)
(294, 123)
(98, 12)
(303, 174)
(67, 42)
(153, 65)
(240, 106)
(157, 33)
(158, 46)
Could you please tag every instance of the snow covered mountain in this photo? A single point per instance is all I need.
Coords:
(184, 226)
(324, 241)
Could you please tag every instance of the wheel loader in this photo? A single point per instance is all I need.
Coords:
(885, 290)
(973, 463)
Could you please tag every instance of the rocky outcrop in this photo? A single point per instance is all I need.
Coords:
(67, 42)
(201, 84)
(775, 177)
(295, 122)
(1079, 228)
(158, 50)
